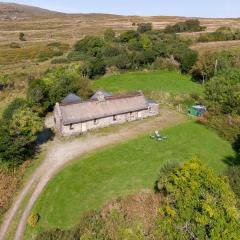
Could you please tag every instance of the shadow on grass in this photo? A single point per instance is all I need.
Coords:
(233, 161)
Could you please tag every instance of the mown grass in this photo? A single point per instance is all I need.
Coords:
(172, 82)
(120, 170)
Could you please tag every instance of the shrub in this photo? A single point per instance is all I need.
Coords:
(144, 27)
(227, 126)
(17, 136)
(128, 35)
(93, 68)
(186, 57)
(42, 94)
(191, 25)
(165, 64)
(33, 219)
(233, 174)
(90, 45)
(22, 36)
(109, 35)
(6, 82)
(54, 44)
(60, 60)
(14, 45)
(197, 204)
(223, 92)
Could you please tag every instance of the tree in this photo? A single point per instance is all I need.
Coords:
(90, 45)
(17, 137)
(191, 25)
(25, 122)
(93, 68)
(56, 84)
(197, 204)
(144, 27)
(186, 57)
(223, 91)
(109, 35)
(128, 35)
(22, 36)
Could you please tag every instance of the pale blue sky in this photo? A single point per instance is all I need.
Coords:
(198, 8)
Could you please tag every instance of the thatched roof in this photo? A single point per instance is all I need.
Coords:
(110, 106)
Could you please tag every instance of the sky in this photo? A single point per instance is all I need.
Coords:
(190, 8)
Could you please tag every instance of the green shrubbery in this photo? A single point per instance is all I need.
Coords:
(223, 92)
(191, 25)
(131, 50)
(233, 173)
(18, 133)
(33, 219)
(197, 205)
(221, 34)
(54, 85)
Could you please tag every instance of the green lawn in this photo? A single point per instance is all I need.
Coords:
(173, 82)
(122, 169)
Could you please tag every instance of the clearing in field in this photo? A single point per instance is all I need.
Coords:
(121, 170)
(172, 82)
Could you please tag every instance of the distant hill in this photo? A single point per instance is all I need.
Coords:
(20, 11)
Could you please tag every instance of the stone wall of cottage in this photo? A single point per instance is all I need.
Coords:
(57, 118)
(67, 130)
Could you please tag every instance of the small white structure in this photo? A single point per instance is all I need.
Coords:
(101, 111)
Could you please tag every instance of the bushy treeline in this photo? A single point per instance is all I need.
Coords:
(211, 63)
(22, 119)
(191, 25)
(190, 202)
(132, 50)
(54, 85)
(221, 34)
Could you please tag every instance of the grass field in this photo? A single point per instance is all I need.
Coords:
(172, 82)
(90, 182)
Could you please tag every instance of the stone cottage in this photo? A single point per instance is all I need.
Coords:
(74, 116)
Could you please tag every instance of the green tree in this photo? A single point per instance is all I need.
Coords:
(56, 84)
(128, 35)
(223, 91)
(22, 36)
(197, 204)
(109, 35)
(17, 137)
(93, 68)
(144, 27)
(26, 123)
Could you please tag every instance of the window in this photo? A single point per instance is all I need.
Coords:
(71, 127)
(114, 118)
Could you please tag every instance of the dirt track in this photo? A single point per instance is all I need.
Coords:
(60, 153)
